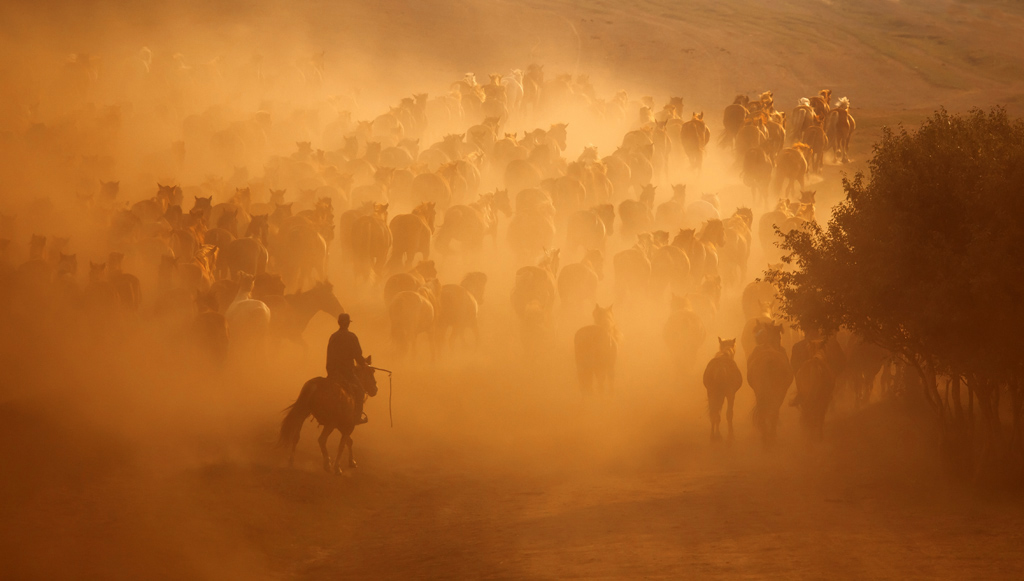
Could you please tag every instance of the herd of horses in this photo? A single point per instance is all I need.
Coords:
(239, 263)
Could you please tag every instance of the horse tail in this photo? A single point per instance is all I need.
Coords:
(291, 425)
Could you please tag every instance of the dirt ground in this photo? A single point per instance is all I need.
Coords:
(115, 467)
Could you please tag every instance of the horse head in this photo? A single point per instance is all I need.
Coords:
(365, 374)
(727, 347)
(326, 301)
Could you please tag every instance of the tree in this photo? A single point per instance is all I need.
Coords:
(925, 260)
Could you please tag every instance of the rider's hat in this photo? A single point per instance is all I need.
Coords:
(344, 319)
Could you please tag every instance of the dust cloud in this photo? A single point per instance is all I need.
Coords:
(130, 447)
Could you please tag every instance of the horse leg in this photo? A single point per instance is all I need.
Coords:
(351, 459)
(728, 413)
(341, 448)
(322, 440)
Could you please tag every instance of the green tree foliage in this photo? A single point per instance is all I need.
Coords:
(925, 257)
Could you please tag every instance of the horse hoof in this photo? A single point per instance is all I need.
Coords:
(352, 464)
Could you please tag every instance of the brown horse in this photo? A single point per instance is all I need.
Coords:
(633, 270)
(458, 307)
(577, 283)
(411, 236)
(370, 243)
(815, 138)
(733, 119)
(695, 136)
(334, 408)
(533, 295)
(757, 174)
(470, 224)
(684, 333)
(589, 228)
(791, 169)
(291, 314)
(815, 383)
(722, 379)
(596, 348)
(769, 375)
(637, 215)
(839, 127)
(411, 280)
(735, 253)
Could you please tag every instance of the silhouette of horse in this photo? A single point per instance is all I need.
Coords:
(458, 306)
(815, 383)
(597, 347)
(333, 408)
(411, 236)
(769, 375)
(722, 379)
(533, 295)
(291, 314)
(684, 333)
(791, 169)
(839, 126)
(695, 136)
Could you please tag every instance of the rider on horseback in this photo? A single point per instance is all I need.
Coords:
(343, 353)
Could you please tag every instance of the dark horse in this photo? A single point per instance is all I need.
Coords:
(333, 407)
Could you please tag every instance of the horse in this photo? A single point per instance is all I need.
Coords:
(670, 268)
(637, 215)
(791, 168)
(815, 382)
(735, 253)
(458, 307)
(370, 243)
(839, 127)
(411, 280)
(733, 118)
(815, 138)
(756, 295)
(799, 120)
(695, 136)
(300, 252)
(633, 269)
(291, 313)
(470, 224)
(589, 228)
(769, 375)
(533, 295)
(671, 215)
(531, 231)
(722, 379)
(248, 319)
(413, 313)
(757, 173)
(864, 361)
(596, 349)
(333, 408)
(683, 333)
(248, 254)
(410, 235)
(577, 283)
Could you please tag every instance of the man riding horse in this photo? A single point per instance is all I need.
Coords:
(343, 353)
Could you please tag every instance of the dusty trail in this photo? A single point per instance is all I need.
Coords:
(127, 467)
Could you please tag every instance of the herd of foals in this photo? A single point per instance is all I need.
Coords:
(226, 229)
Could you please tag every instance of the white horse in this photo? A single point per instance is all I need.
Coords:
(248, 319)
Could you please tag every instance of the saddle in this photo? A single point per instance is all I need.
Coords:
(351, 387)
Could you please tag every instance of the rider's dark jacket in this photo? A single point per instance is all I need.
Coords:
(343, 351)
